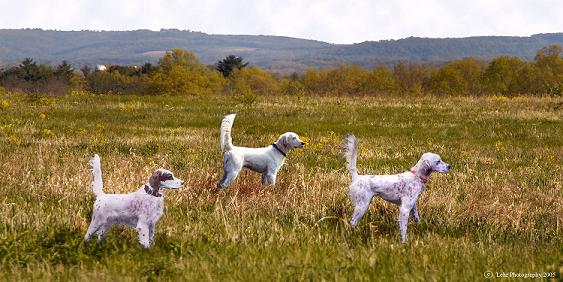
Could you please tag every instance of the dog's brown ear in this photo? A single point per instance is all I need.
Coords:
(154, 181)
(426, 168)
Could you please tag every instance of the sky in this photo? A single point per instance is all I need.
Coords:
(334, 21)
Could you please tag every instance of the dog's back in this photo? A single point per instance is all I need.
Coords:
(127, 209)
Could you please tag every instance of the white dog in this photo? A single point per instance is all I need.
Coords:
(267, 160)
(401, 189)
(140, 209)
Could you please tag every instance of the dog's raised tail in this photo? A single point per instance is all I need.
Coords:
(350, 152)
(97, 184)
(226, 126)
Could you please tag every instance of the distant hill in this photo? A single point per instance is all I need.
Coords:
(276, 53)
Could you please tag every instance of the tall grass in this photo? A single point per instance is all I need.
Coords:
(499, 209)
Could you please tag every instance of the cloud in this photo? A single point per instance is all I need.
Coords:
(336, 21)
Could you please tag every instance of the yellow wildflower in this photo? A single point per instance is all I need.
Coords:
(47, 132)
(14, 140)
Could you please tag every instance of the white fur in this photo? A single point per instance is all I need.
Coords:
(401, 189)
(266, 160)
(140, 209)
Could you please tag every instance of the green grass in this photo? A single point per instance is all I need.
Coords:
(500, 208)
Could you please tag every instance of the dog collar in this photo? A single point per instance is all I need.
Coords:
(150, 191)
(423, 179)
(279, 150)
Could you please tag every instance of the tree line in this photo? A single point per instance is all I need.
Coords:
(180, 72)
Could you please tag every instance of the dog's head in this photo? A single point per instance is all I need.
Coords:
(290, 140)
(163, 178)
(430, 162)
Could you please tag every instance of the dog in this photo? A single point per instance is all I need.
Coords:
(401, 189)
(267, 160)
(140, 209)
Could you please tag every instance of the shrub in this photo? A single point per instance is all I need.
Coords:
(181, 73)
(259, 81)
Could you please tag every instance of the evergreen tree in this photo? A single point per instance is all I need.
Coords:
(63, 71)
(230, 63)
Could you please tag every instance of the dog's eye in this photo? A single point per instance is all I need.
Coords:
(437, 162)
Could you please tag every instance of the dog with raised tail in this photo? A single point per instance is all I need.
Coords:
(140, 209)
(400, 189)
(266, 161)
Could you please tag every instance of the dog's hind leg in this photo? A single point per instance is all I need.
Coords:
(92, 229)
(101, 233)
(361, 200)
(231, 169)
(228, 178)
(360, 209)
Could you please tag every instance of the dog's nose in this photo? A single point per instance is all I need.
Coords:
(302, 143)
(182, 182)
(449, 166)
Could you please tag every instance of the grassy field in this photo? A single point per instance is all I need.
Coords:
(500, 208)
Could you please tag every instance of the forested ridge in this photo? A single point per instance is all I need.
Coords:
(274, 53)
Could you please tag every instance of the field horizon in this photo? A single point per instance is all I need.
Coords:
(498, 210)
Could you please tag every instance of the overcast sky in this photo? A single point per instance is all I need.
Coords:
(336, 21)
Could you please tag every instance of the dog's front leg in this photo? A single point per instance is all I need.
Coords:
(404, 212)
(269, 178)
(143, 233)
(414, 214)
(152, 227)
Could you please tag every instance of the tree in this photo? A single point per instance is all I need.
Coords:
(28, 70)
(86, 70)
(312, 81)
(380, 80)
(501, 75)
(292, 85)
(412, 78)
(259, 81)
(457, 77)
(230, 63)
(180, 58)
(147, 68)
(181, 73)
(549, 56)
(63, 71)
(343, 80)
(549, 66)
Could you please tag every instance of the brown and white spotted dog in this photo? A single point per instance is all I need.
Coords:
(401, 189)
(140, 209)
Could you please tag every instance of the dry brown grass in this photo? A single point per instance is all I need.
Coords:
(499, 209)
